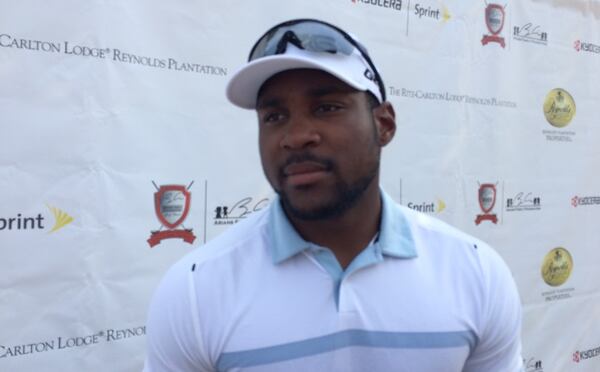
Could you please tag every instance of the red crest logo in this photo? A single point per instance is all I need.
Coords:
(494, 20)
(487, 201)
(172, 204)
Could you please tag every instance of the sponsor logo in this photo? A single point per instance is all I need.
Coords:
(557, 266)
(7, 41)
(533, 365)
(389, 4)
(232, 213)
(487, 200)
(558, 136)
(427, 13)
(555, 271)
(109, 54)
(530, 33)
(580, 46)
(68, 342)
(523, 201)
(420, 11)
(494, 20)
(61, 218)
(36, 222)
(172, 204)
(21, 222)
(449, 97)
(428, 207)
(440, 14)
(580, 356)
(558, 294)
(585, 200)
(559, 107)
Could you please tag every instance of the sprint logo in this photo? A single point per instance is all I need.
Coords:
(428, 207)
(61, 218)
(22, 222)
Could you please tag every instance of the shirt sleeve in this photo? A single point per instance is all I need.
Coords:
(174, 341)
(499, 345)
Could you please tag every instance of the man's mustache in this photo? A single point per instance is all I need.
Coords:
(326, 163)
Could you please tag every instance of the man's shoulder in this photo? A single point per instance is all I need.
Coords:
(439, 241)
(246, 237)
(423, 224)
(244, 234)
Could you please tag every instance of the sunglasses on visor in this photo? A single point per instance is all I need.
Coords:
(312, 35)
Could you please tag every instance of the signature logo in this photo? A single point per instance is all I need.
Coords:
(530, 32)
(231, 214)
(523, 201)
(533, 365)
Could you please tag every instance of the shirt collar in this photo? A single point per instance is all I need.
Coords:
(285, 240)
(395, 237)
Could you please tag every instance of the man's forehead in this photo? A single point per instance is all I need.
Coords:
(304, 81)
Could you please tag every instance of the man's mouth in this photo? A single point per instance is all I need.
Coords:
(304, 173)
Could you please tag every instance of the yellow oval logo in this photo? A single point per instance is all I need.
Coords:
(557, 267)
(559, 107)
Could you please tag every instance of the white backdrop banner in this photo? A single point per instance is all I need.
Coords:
(110, 109)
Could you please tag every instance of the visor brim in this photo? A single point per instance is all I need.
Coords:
(243, 87)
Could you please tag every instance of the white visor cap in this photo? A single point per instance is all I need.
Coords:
(244, 85)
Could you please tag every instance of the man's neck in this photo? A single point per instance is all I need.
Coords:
(348, 234)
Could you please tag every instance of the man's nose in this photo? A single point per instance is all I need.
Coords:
(300, 133)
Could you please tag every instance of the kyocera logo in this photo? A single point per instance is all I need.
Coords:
(580, 356)
(390, 4)
(586, 47)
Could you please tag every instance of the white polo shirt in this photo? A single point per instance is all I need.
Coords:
(422, 296)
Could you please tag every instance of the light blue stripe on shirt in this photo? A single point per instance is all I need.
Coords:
(339, 340)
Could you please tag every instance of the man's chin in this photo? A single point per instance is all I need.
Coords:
(310, 210)
(322, 201)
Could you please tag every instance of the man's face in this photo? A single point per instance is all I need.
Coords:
(319, 143)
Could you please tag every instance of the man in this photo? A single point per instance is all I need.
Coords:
(333, 276)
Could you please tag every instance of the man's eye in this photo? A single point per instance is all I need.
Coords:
(273, 117)
(327, 108)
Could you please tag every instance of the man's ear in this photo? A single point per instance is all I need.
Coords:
(384, 117)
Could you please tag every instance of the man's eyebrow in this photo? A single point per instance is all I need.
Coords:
(315, 93)
(273, 102)
(326, 90)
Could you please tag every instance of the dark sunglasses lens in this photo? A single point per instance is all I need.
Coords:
(312, 36)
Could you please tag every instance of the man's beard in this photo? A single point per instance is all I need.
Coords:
(346, 196)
